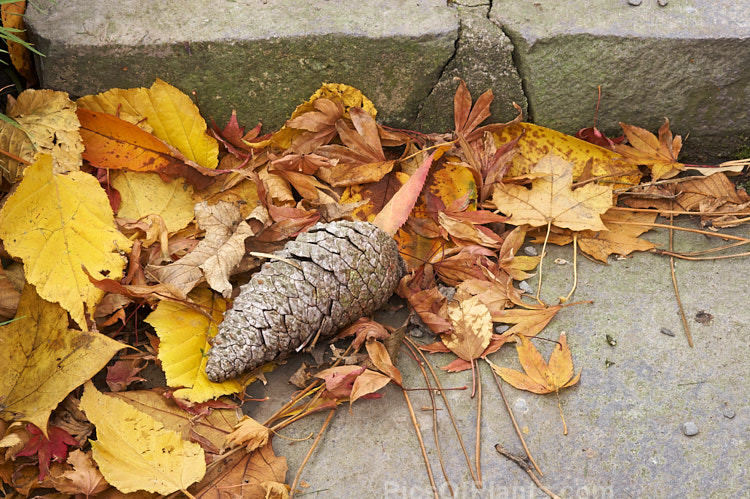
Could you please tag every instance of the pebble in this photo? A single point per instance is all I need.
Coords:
(635, 2)
(525, 287)
(501, 328)
(662, 3)
(416, 332)
(447, 291)
(689, 428)
(530, 251)
(561, 261)
(520, 405)
(666, 331)
(729, 413)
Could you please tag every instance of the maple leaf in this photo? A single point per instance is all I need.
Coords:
(658, 154)
(235, 139)
(540, 376)
(47, 449)
(361, 159)
(83, 479)
(184, 335)
(175, 119)
(352, 382)
(161, 462)
(124, 372)
(44, 360)
(551, 200)
(363, 330)
(58, 224)
(48, 125)
(250, 433)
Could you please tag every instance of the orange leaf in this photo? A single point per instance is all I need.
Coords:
(658, 154)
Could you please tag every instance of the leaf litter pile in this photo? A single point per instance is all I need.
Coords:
(128, 223)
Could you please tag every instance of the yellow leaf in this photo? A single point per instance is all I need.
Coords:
(184, 334)
(551, 199)
(658, 154)
(58, 224)
(43, 360)
(135, 452)
(20, 56)
(249, 433)
(472, 327)
(146, 194)
(48, 125)
(538, 141)
(172, 115)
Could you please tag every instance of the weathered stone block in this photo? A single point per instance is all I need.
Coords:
(689, 61)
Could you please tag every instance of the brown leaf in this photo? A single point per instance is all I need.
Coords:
(658, 154)
(472, 327)
(84, 478)
(123, 372)
(382, 360)
(249, 433)
(364, 329)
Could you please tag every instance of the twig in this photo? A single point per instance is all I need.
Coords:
(685, 229)
(674, 284)
(415, 347)
(309, 453)
(678, 212)
(575, 268)
(515, 424)
(421, 443)
(683, 256)
(524, 465)
(541, 262)
(478, 445)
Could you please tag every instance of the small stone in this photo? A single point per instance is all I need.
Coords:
(666, 331)
(561, 261)
(447, 291)
(690, 428)
(662, 3)
(530, 251)
(728, 412)
(635, 2)
(501, 328)
(416, 332)
(520, 405)
(525, 287)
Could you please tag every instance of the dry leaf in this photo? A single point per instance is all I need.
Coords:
(44, 360)
(551, 199)
(58, 224)
(249, 433)
(658, 154)
(472, 327)
(85, 478)
(135, 452)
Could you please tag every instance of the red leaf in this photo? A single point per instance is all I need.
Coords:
(47, 450)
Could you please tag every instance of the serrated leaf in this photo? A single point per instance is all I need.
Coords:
(184, 334)
(135, 452)
(58, 224)
(43, 360)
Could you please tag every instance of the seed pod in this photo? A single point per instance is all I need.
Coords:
(321, 281)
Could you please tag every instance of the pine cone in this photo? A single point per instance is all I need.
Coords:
(348, 270)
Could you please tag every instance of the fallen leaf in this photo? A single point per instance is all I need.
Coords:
(363, 330)
(658, 154)
(44, 360)
(374, 196)
(21, 57)
(58, 224)
(48, 125)
(535, 142)
(85, 478)
(551, 200)
(248, 433)
(472, 327)
(526, 322)
(352, 382)
(184, 335)
(124, 372)
(48, 446)
(135, 452)
(382, 360)
(540, 376)
(172, 115)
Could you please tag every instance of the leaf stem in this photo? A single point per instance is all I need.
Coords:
(541, 262)
(309, 453)
(575, 268)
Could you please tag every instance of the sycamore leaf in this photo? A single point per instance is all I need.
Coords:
(48, 124)
(589, 160)
(43, 360)
(58, 224)
(621, 239)
(249, 433)
(540, 376)
(253, 471)
(216, 254)
(184, 341)
(135, 452)
(551, 200)
(172, 115)
(658, 154)
(83, 479)
(146, 194)
(472, 327)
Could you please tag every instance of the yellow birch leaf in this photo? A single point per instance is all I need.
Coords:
(146, 194)
(175, 119)
(472, 327)
(135, 452)
(184, 334)
(551, 200)
(58, 224)
(43, 360)
(538, 141)
(48, 125)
